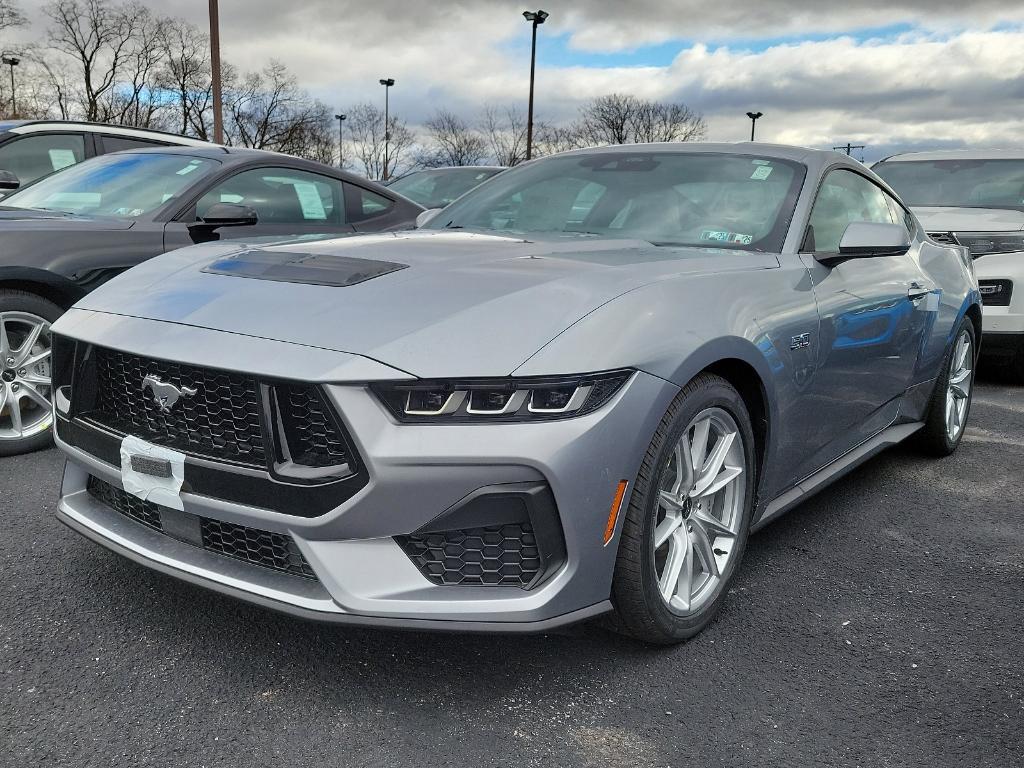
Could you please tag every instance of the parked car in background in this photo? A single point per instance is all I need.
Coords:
(975, 199)
(575, 391)
(30, 149)
(72, 231)
(437, 187)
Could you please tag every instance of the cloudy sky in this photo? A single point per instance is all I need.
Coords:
(891, 74)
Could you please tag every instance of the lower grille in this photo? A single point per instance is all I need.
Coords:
(266, 549)
(996, 293)
(505, 555)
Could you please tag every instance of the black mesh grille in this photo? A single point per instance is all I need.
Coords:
(276, 551)
(505, 555)
(996, 293)
(140, 511)
(313, 438)
(946, 238)
(221, 420)
(271, 550)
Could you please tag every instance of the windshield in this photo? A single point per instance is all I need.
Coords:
(957, 183)
(436, 189)
(667, 198)
(125, 185)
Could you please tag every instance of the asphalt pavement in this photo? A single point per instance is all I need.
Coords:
(880, 624)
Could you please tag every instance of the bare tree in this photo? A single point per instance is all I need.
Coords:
(505, 131)
(450, 140)
(10, 15)
(366, 140)
(136, 98)
(625, 119)
(186, 73)
(549, 139)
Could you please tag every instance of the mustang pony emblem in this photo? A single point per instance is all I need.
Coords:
(166, 395)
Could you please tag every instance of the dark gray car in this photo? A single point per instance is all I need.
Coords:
(574, 392)
(72, 231)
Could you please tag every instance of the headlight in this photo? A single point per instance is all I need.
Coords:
(470, 401)
(985, 243)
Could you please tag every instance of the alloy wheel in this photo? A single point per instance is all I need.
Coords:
(25, 383)
(700, 510)
(958, 392)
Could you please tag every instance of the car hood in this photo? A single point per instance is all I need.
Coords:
(942, 219)
(32, 218)
(430, 303)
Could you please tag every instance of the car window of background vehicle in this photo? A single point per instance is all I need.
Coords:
(32, 157)
(693, 199)
(281, 196)
(123, 185)
(957, 183)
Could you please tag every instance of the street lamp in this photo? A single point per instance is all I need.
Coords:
(218, 114)
(536, 18)
(387, 83)
(753, 121)
(12, 61)
(341, 138)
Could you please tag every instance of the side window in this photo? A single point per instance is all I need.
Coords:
(901, 215)
(367, 204)
(121, 143)
(844, 197)
(32, 157)
(281, 196)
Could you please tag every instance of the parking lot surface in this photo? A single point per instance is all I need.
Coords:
(880, 624)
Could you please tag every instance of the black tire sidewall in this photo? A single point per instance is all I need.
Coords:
(936, 429)
(717, 394)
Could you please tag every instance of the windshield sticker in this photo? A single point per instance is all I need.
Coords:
(62, 158)
(721, 236)
(762, 172)
(760, 162)
(310, 201)
(189, 168)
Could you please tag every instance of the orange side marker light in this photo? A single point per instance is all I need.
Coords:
(613, 515)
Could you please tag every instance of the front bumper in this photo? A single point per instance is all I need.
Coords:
(1006, 269)
(416, 474)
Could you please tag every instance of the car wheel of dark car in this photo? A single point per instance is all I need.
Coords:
(951, 401)
(25, 388)
(689, 515)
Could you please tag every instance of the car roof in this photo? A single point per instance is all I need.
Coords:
(805, 155)
(957, 154)
(39, 126)
(460, 168)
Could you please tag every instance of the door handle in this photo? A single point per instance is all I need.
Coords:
(916, 292)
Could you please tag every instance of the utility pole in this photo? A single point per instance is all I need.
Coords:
(387, 83)
(12, 61)
(753, 121)
(218, 109)
(341, 139)
(536, 18)
(848, 148)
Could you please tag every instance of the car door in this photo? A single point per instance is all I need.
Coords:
(288, 201)
(33, 156)
(873, 316)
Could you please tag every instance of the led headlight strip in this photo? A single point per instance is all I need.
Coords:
(486, 400)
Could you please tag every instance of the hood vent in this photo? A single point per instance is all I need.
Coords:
(308, 268)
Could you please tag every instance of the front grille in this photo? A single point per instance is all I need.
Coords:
(276, 551)
(125, 504)
(271, 550)
(313, 439)
(946, 238)
(505, 555)
(221, 420)
(996, 293)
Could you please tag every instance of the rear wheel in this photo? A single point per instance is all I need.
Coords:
(25, 385)
(686, 525)
(951, 402)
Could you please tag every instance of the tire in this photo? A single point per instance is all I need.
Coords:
(937, 438)
(19, 309)
(1017, 368)
(641, 609)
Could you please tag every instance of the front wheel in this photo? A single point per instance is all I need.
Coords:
(25, 385)
(689, 514)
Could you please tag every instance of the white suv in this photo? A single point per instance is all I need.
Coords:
(976, 199)
(31, 149)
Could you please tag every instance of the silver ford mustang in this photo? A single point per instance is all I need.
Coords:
(573, 392)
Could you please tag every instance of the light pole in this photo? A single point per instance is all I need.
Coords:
(218, 114)
(387, 83)
(753, 121)
(341, 139)
(536, 18)
(12, 61)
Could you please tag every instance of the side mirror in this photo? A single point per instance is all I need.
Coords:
(229, 215)
(8, 181)
(867, 239)
(424, 218)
